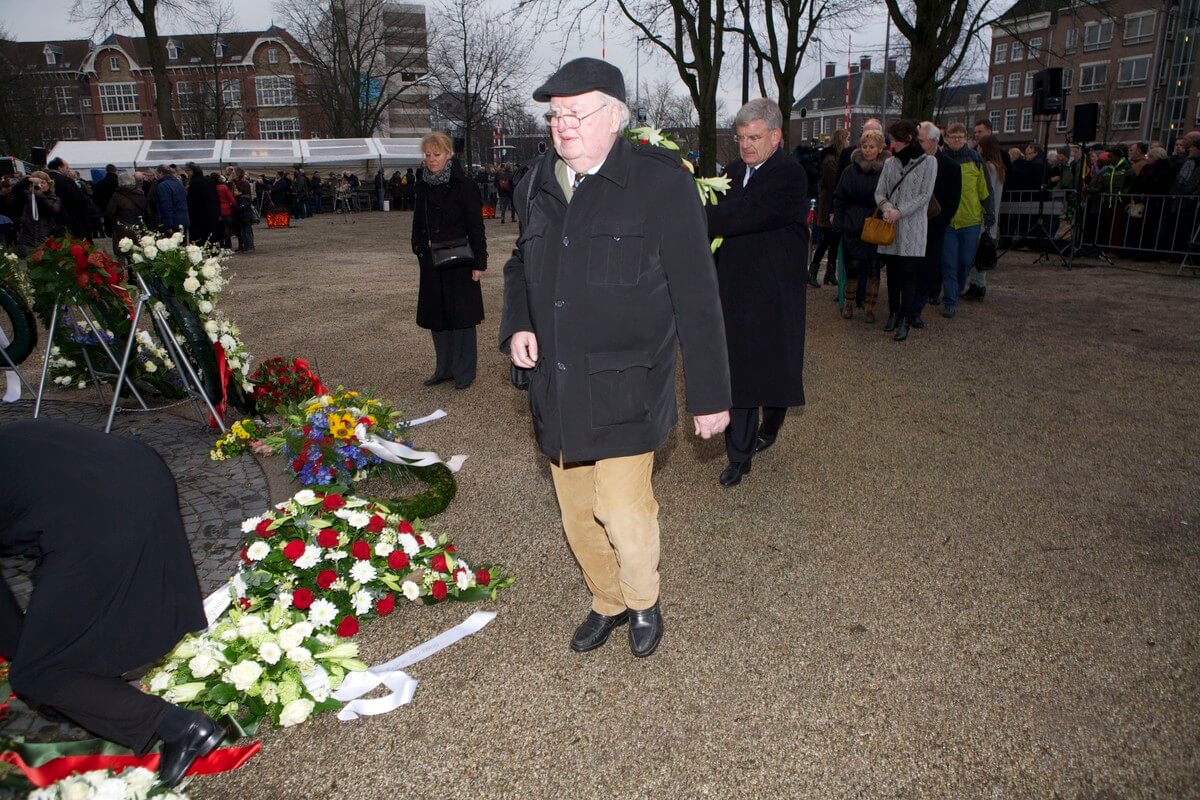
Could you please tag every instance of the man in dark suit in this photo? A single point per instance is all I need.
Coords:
(762, 269)
(105, 188)
(75, 216)
(947, 190)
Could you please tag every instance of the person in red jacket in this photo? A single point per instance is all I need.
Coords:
(226, 201)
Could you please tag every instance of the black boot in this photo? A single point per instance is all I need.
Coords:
(901, 330)
(892, 320)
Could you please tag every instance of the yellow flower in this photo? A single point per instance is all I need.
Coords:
(349, 395)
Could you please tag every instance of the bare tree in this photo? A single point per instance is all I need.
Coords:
(478, 63)
(667, 108)
(210, 107)
(368, 56)
(145, 13)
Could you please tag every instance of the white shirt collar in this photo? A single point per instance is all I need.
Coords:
(572, 173)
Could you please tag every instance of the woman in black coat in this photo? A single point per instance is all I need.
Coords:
(204, 207)
(125, 211)
(449, 300)
(853, 203)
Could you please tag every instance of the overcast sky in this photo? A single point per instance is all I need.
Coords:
(50, 19)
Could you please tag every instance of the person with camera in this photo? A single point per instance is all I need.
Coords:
(39, 212)
(450, 245)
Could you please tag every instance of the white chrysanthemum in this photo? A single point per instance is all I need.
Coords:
(211, 269)
(463, 580)
(270, 652)
(362, 572)
(361, 602)
(344, 512)
(322, 613)
(251, 625)
(228, 342)
(409, 543)
(295, 712)
(428, 541)
(300, 655)
(359, 520)
(335, 555)
(244, 674)
(202, 665)
(411, 590)
(339, 585)
(190, 285)
(293, 637)
(383, 549)
(249, 525)
(125, 245)
(309, 558)
(258, 550)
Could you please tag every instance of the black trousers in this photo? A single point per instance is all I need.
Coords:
(929, 277)
(830, 239)
(902, 283)
(457, 353)
(743, 430)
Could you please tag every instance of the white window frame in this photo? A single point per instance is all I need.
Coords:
(997, 87)
(1026, 119)
(1010, 120)
(1126, 123)
(1095, 85)
(172, 51)
(1029, 83)
(1035, 48)
(51, 57)
(1103, 37)
(1133, 80)
(231, 92)
(275, 91)
(119, 98)
(994, 118)
(218, 49)
(1068, 76)
(185, 97)
(1145, 28)
(275, 129)
(65, 99)
(1014, 84)
(1016, 52)
(236, 129)
(1061, 125)
(70, 134)
(273, 55)
(1001, 53)
(190, 130)
(1072, 40)
(122, 133)
(114, 64)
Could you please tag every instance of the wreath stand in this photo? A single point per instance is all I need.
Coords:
(11, 366)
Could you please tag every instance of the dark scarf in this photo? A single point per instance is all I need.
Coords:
(909, 152)
(438, 178)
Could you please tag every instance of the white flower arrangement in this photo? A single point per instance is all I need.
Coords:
(102, 784)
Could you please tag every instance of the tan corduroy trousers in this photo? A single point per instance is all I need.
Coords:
(611, 519)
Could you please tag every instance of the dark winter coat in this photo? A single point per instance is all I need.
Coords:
(947, 190)
(762, 269)
(853, 202)
(75, 216)
(448, 299)
(829, 181)
(35, 231)
(170, 203)
(204, 209)
(104, 190)
(612, 283)
(124, 211)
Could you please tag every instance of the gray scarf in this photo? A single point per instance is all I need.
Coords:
(438, 178)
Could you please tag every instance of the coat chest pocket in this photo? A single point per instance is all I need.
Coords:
(615, 253)
(533, 250)
(617, 387)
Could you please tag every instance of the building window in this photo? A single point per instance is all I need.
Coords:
(1097, 35)
(219, 49)
(276, 90)
(51, 56)
(1014, 84)
(1068, 74)
(1139, 28)
(994, 120)
(1026, 119)
(86, 102)
(1029, 83)
(172, 51)
(1035, 48)
(231, 93)
(122, 133)
(997, 87)
(1093, 76)
(1061, 125)
(1132, 72)
(1018, 51)
(70, 134)
(803, 131)
(279, 128)
(117, 97)
(114, 64)
(1010, 120)
(65, 99)
(236, 130)
(1001, 54)
(186, 92)
(1127, 114)
(1072, 40)
(973, 99)
(273, 56)
(190, 130)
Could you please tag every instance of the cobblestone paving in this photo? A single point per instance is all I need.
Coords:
(214, 497)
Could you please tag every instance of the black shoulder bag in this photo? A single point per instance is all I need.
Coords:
(450, 254)
(521, 376)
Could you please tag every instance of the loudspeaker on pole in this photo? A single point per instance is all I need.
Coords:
(1086, 117)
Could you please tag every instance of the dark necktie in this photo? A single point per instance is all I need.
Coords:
(579, 176)
(749, 175)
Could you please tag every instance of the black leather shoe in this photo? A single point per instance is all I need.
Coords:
(595, 629)
(645, 631)
(892, 321)
(435, 380)
(763, 441)
(732, 475)
(813, 282)
(463, 384)
(917, 322)
(901, 330)
(201, 738)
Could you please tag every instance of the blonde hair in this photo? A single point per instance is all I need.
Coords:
(1159, 153)
(438, 142)
(42, 175)
(872, 136)
(956, 127)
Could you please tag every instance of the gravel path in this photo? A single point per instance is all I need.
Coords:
(968, 568)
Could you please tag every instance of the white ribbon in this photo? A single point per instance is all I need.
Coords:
(391, 675)
(397, 453)
(219, 601)
(412, 423)
(12, 391)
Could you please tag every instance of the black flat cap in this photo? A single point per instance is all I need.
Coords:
(583, 75)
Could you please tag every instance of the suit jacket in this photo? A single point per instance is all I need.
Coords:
(75, 215)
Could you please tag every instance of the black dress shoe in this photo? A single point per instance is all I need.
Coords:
(645, 631)
(901, 330)
(892, 321)
(199, 739)
(732, 475)
(917, 322)
(463, 384)
(435, 380)
(594, 630)
(813, 282)
(763, 441)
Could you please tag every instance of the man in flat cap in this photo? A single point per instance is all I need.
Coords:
(612, 269)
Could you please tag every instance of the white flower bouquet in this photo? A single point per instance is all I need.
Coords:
(103, 784)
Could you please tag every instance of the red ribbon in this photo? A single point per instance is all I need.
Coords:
(224, 372)
(302, 367)
(223, 760)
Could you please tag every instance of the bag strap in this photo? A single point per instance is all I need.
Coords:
(533, 178)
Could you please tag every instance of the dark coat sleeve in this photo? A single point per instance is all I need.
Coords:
(473, 219)
(419, 236)
(947, 189)
(787, 189)
(516, 298)
(840, 201)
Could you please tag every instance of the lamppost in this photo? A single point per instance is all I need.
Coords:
(637, 74)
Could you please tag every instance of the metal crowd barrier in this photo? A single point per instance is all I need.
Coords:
(1133, 226)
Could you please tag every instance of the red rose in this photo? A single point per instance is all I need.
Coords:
(347, 627)
(297, 465)
(405, 526)
(327, 538)
(361, 550)
(332, 502)
(385, 605)
(438, 563)
(293, 549)
(302, 598)
(376, 524)
(450, 549)
(261, 530)
(483, 577)
(244, 603)
(326, 577)
(397, 560)
(438, 590)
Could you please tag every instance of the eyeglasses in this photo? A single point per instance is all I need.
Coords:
(753, 139)
(568, 120)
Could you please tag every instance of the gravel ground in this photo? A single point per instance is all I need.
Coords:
(968, 568)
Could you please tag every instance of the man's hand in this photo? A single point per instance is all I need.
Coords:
(476, 274)
(708, 425)
(891, 215)
(523, 349)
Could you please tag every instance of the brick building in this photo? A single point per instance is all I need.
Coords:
(1134, 58)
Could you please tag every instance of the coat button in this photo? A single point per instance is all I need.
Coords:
(566, 242)
(562, 365)
(559, 303)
